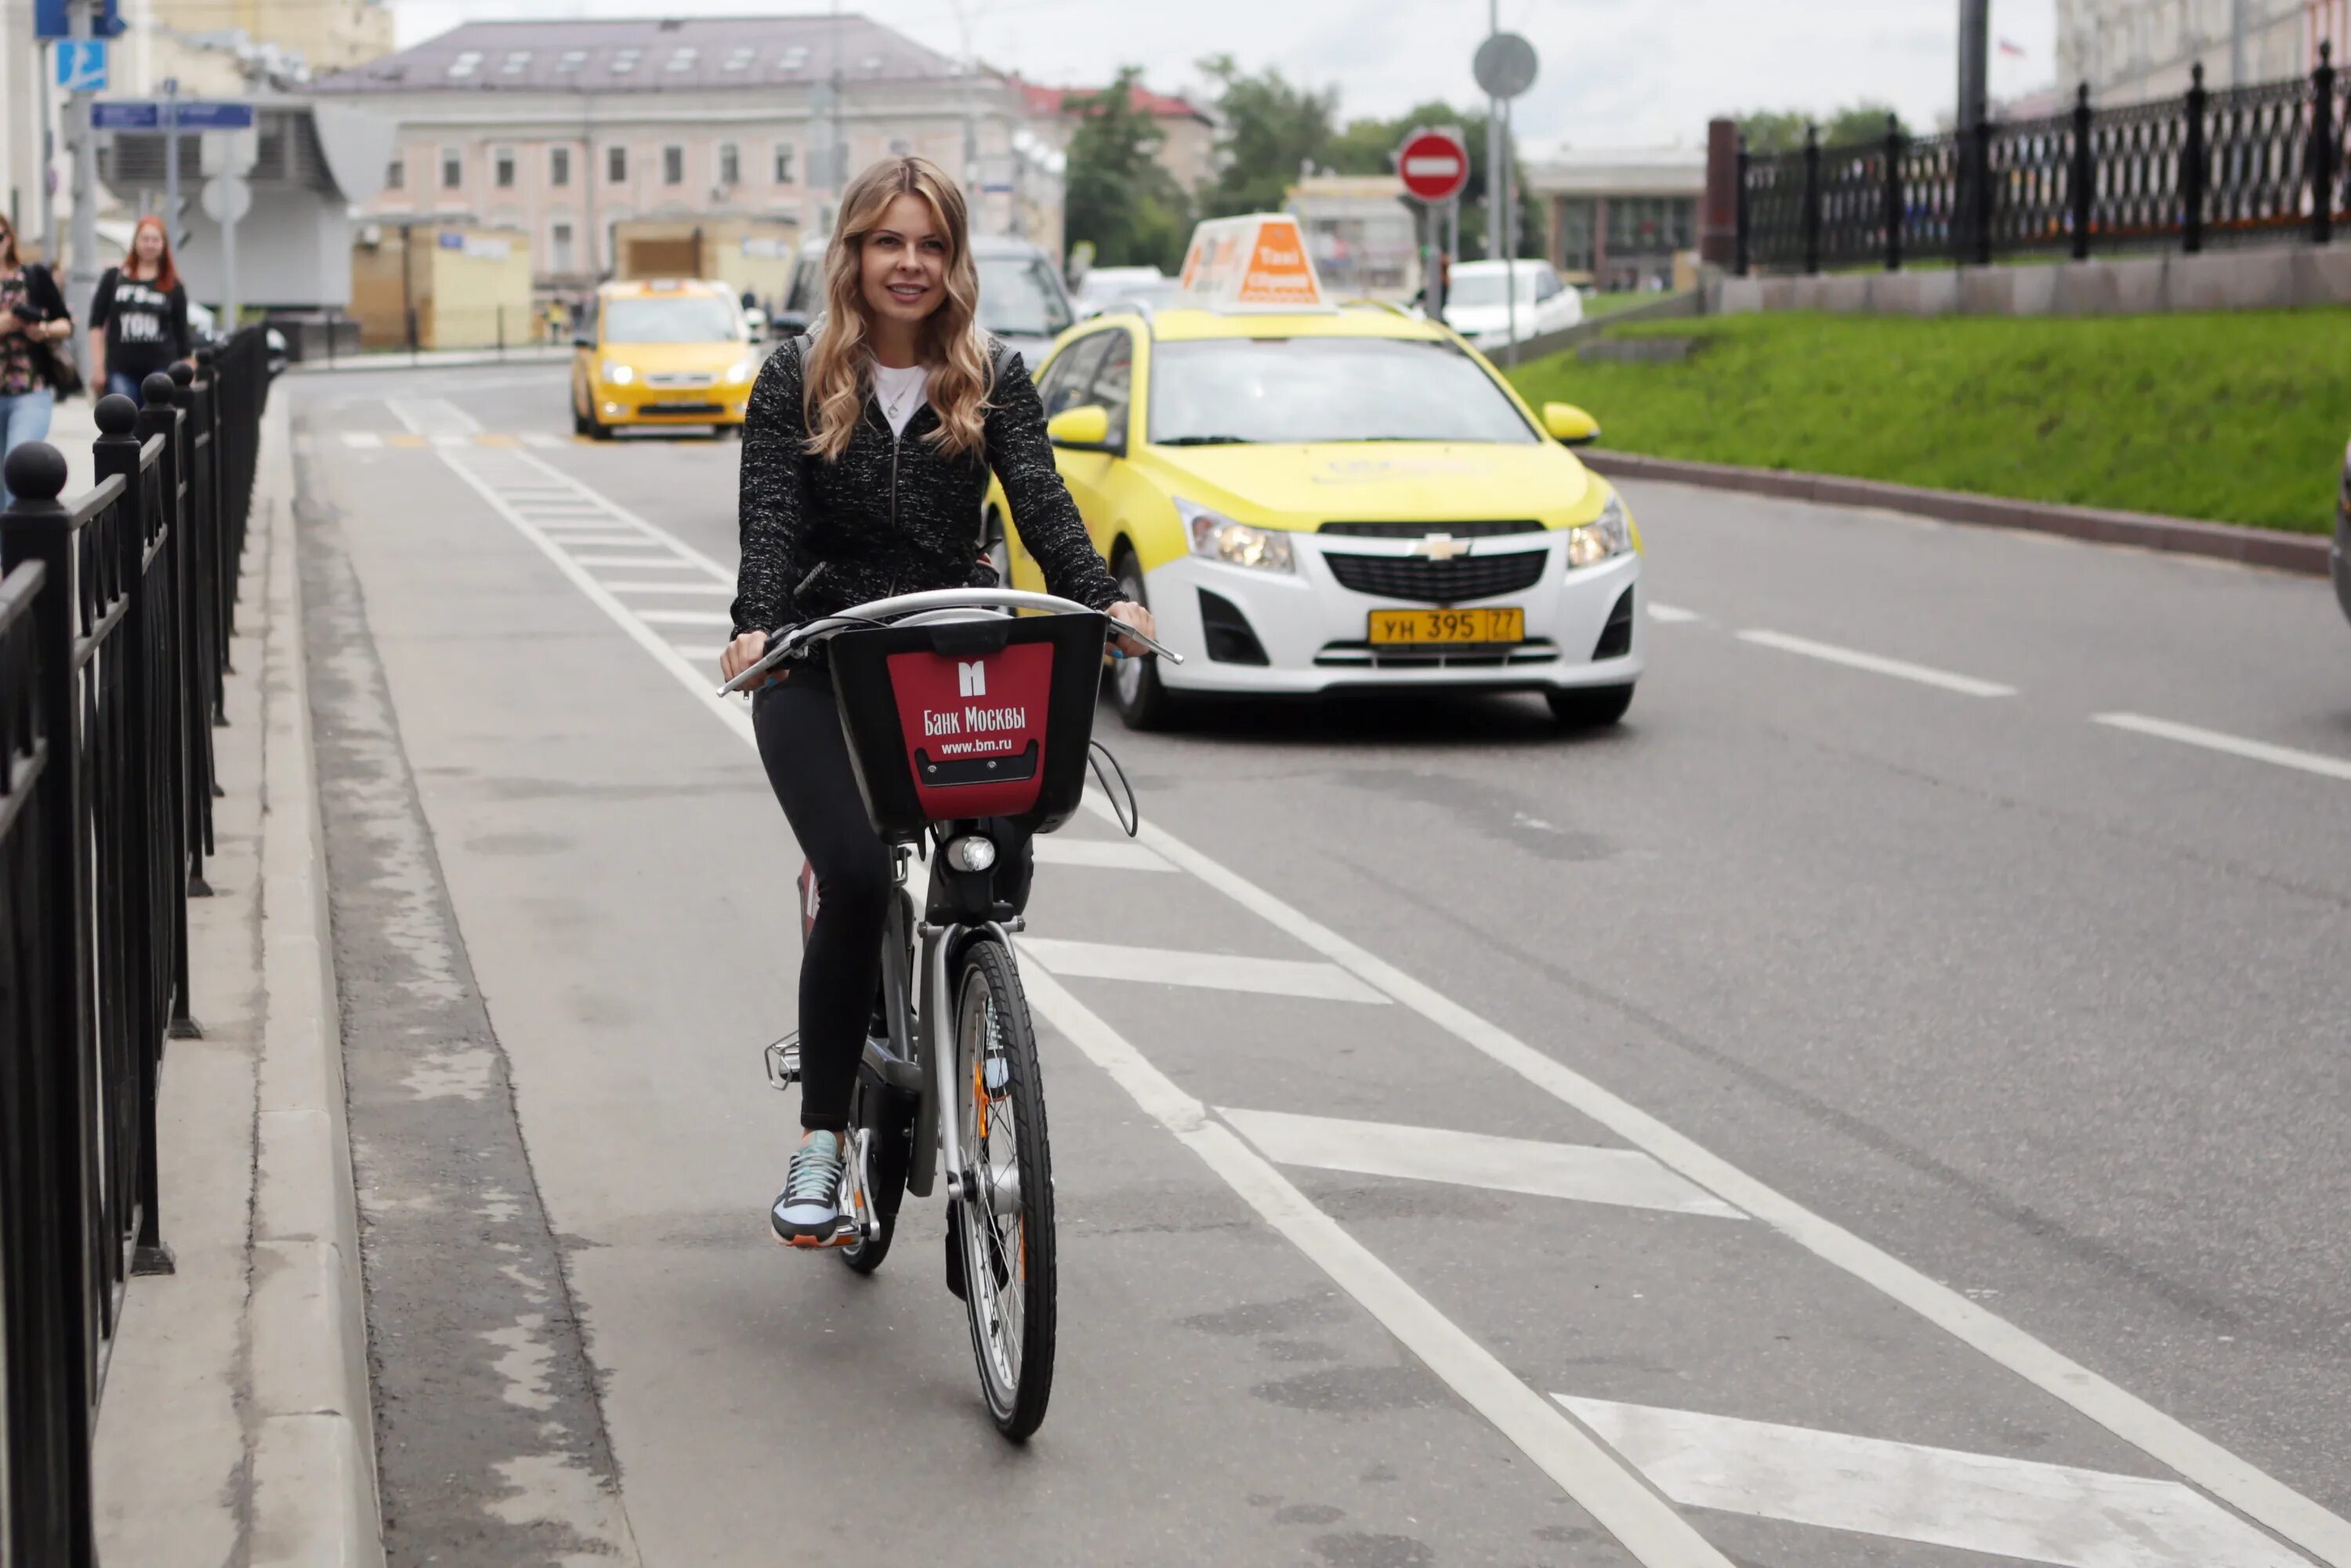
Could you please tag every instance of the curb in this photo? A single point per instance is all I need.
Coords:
(432, 359)
(314, 1484)
(2305, 554)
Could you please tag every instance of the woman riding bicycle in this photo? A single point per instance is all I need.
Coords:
(867, 452)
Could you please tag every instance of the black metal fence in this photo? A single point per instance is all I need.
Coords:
(116, 609)
(2253, 164)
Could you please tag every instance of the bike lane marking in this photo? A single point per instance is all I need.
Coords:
(2315, 762)
(1901, 669)
(1214, 971)
(2024, 1508)
(2252, 1491)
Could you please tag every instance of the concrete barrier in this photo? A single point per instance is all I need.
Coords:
(2270, 277)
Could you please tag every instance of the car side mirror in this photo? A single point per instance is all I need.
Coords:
(1570, 425)
(1085, 428)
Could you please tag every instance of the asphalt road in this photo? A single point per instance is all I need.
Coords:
(1921, 1027)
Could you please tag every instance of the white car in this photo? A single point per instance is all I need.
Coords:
(1104, 285)
(1478, 307)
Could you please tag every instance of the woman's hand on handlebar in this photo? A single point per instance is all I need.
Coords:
(742, 653)
(1130, 613)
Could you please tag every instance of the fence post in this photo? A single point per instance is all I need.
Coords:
(2084, 184)
(2323, 147)
(1980, 215)
(202, 521)
(2192, 166)
(51, 1356)
(1812, 200)
(1896, 148)
(1739, 257)
(160, 416)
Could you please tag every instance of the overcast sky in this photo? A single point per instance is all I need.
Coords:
(1614, 73)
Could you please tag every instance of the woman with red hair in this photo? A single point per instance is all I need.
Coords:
(139, 317)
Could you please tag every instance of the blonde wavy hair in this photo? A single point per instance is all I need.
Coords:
(835, 387)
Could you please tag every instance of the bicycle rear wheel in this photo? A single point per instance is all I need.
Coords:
(1005, 1219)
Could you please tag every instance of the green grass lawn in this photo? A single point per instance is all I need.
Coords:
(1598, 305)
(2238, 418)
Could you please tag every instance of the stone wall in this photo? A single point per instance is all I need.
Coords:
(2274, 278)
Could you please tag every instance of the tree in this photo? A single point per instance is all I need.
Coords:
(1782, 130)
(1117, 194)
(1273, 131)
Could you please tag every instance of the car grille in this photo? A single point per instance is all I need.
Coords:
(1480, 531)
(1466, 656)
(1438, 581)
(679, 378)
(680, 408)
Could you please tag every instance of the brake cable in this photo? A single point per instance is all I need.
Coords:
(1131, 818)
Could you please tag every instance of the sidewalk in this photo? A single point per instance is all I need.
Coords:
(234, 1426)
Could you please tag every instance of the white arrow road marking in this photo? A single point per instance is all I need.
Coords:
(2316, 762)
(1104, 854)
(1975, 1502)
(1210, 971)
(1624, 1178)
(1966, 686)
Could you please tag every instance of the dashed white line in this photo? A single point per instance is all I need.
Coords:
(1668, 614)
(680, 617)
(362, 440)
(637, 562)
(2023, 1509)
(1853, 658)
(718, 590)
(1207, 971)
(2316, 762)
(1625, 1179)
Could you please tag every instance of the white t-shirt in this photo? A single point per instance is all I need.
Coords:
(900, 393)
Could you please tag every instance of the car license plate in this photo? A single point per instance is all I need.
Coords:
(1412, 627)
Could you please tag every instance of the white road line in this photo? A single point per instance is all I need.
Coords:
(2250, 1490)
(450, 438)
(1967, 685)
(2316, 762)
(542, 439)
(593, 542)
(638, 562)
(433, 416)
(363, 440)
(1208, 971)
(681, 617)
(1668, 614)
(1626, 1178)
(698, 656)
(1107, 854)
(721, 590)
(1973, 1503)
(1643, 1522)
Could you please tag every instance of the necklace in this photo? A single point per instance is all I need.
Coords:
(896, 402)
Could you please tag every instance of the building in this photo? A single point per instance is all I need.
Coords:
(1187, 146)
(1361, 230)
(2129, 51)
(705, 145)
(1617, 219)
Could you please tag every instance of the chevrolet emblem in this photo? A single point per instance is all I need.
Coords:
(1441, 547)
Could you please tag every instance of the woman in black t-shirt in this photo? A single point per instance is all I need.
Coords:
(139, 317)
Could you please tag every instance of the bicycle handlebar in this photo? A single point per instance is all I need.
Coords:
(920, 607)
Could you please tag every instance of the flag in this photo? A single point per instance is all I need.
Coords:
(2014, 51)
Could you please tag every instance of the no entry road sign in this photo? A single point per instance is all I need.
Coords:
(1434, 164)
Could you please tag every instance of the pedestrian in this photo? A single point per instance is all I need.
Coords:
(866, 453)
(33, 370)
(139, 317)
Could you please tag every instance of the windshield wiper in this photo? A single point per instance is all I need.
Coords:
(1206, 441)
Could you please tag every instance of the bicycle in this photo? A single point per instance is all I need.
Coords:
(969, 731)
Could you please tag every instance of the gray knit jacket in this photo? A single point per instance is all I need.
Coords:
(894, 514)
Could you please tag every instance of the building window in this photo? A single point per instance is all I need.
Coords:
(559, 247)
(616, 165)
(502, 168)
(783, 163)
(559, 166)
(453, 168)
(672, 165)
(395, 174)
(730, 164)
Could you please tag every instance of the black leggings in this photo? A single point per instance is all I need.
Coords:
(840, 972)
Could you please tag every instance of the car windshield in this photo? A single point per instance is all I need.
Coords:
(1019, 297)
(680, 318)
(1221, 390)
(1473, 289)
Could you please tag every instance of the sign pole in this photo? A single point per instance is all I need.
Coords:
(172, 159)
(1510, 245)
(81, 275)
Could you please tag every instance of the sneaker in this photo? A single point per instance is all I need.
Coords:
(808, 1211)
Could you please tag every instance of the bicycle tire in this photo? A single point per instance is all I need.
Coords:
(872, 1106)
(1008, 1268)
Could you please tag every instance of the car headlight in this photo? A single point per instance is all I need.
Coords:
(740, 373)
(1218, 537)
(1605, 537)
(619, 375)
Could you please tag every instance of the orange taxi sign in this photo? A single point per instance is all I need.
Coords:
(1255, 263)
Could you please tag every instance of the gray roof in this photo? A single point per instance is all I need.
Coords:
(646, 54)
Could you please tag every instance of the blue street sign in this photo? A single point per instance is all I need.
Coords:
(197, 114)
(81, 64)
(117, 115)
(53, 19)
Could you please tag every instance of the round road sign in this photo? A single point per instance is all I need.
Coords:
(1434, 164)
(1505, 64)
(226, 199)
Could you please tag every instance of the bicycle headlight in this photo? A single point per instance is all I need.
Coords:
(619, 375)
(971, 853)
(1605, 537)
(1218, 537)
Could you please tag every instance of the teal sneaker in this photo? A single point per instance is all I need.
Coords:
(808, 1211)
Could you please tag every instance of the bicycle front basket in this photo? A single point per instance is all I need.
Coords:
(970, 718)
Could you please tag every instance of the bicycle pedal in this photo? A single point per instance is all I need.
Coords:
(784, 1062)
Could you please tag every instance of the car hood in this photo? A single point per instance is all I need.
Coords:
(656, 358)
(1304, 486)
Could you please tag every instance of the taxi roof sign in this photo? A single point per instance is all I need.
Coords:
(1255, 263)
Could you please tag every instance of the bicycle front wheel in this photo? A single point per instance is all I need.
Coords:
(1006, 1208)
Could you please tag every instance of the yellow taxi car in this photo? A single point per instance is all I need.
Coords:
(1313, 496)
(661, 352)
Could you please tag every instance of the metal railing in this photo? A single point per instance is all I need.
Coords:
(2261, 164)
(116, 608)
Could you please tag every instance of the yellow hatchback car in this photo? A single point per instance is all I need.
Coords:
(1313, 497)
(662, 353)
